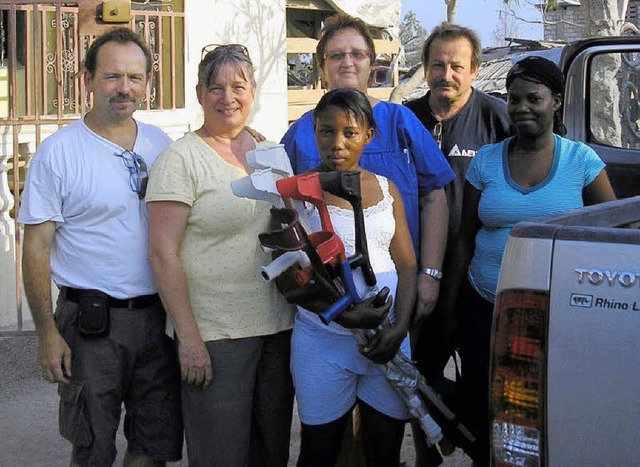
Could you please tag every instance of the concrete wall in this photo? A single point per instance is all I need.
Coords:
(259, 25)
(567, 23)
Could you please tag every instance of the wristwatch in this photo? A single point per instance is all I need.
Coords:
(433, 272)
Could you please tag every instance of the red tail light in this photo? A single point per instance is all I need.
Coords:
(518, 377)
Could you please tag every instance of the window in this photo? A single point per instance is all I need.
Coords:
(45, 39)
(615, 110)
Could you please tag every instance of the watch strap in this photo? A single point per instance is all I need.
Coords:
(433, 272)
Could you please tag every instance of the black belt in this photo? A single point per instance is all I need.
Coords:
(143, 301)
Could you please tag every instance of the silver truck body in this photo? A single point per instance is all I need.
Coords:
(567, 392)
(589, 263)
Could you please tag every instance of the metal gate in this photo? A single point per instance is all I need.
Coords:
(41, 90)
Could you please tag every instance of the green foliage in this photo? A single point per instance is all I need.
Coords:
(552, 4)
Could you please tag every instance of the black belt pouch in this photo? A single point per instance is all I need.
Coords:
(93, 313)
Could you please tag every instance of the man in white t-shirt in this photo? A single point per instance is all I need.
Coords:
(85, 225)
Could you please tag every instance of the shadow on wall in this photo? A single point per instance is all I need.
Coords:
(250, 25)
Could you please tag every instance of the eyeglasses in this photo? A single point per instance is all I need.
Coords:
(356, 55)
(437, 134)
(232, 47)
(138, 173)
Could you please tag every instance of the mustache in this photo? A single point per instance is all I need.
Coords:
(122, 98)
(443, 83)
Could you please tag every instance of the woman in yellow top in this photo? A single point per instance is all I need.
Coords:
(233, 333)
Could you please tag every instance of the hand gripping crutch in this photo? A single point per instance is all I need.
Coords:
(422, 401)
(307, 187)
(324, 249)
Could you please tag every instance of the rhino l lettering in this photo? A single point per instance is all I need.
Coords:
(605, 276)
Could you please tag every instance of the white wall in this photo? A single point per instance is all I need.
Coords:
(260, 25)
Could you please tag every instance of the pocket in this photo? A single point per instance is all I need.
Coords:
(73, 417)
(395, 164)
(93, 314)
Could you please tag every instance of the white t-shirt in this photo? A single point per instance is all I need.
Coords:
(77, 181)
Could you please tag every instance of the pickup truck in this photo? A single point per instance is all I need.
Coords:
(565, 373)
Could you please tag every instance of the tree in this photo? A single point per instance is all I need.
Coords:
(412, 36)
(508, 26)
(603, 17)
(452, 10)
(411, 27)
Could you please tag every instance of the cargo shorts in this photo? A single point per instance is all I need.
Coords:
(135, 365)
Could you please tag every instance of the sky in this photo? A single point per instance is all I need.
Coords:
(480, 15)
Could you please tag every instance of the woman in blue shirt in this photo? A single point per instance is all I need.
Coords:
(534, 173)
(401, 150)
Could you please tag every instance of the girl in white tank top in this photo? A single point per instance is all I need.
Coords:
(330, 371)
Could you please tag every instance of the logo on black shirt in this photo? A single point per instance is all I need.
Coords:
(455, 152)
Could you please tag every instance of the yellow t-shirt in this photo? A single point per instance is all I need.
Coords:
(220, 253)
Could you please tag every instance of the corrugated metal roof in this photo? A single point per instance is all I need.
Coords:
(492, 75)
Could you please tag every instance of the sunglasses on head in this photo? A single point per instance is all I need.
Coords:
(231, 47)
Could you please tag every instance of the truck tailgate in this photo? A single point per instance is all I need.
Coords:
(593, 391)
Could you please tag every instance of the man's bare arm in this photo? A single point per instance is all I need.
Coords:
(434, 225)
(54, 354)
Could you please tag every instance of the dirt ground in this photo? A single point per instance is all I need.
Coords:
(28, 416)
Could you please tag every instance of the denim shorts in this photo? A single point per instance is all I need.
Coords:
(330, 373)
(134, 364)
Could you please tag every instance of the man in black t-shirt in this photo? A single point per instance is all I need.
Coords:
(461, 120)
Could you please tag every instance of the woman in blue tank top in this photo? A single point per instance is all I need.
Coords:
(534, 173)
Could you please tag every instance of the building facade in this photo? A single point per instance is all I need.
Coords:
(41, 87)
(567, 22)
